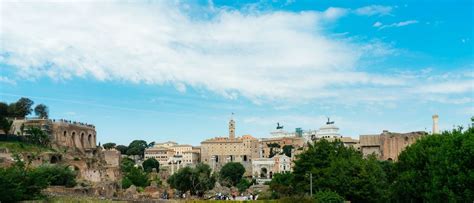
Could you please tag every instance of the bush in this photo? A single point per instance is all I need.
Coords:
(328, 196)
(231, 173)
(243, 185)
(18, 183)
(56, 175)
(150, 164)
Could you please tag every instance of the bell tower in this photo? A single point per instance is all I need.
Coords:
(232, 128)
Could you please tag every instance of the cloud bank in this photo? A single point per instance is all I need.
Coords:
(252, 54)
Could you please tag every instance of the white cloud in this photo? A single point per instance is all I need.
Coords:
(257, 55)
(399, 24)
(6, 80)
(374, 10)
(377, 24)
(271, 55)
(333, 13)
(450, 87)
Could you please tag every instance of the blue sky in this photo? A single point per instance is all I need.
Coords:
(164, 70)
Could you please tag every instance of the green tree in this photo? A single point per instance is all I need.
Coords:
(181, 180)
(201, 179)
(340, 169)
(274, 149)
(196, 180)
(328, 197)
(243, 185)
(5, 125)
(287, 150)
(19, 183)
(37, 136)
(137, 177)
(126, 164)
(56, 175)
(137, 147)
(3, 110)
(108, 145)
(282, 184)
(151, 163)
(122, 149)
(41, 111)
(231, 173)
(437, 168)
(22, 107)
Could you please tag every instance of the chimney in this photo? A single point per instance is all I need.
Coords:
(435, 124)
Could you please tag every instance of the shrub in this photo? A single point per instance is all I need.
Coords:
(328, 196)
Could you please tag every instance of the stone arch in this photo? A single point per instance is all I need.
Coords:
(73, 138)
(89, 140)
(82, 140)
(263, 172)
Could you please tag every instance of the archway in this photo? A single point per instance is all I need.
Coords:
(263, 172)
(89, 140)
(82, 140)
(73, 137)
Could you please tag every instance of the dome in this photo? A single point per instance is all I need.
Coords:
(328, 130)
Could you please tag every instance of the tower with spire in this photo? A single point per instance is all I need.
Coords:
(232, 127)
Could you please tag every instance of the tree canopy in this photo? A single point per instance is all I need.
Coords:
(151, 163)
(122, 148)
(137, 147)
(42, 111)
(437, 168)
(108, 145)
(231, 173)
(196, 180)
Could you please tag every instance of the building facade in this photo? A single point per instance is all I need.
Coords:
(388, 145)
(63, 133)
(171, 153)
(220, 150)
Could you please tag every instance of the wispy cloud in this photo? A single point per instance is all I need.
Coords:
(374, 10)
(398, 24)
(6, 80)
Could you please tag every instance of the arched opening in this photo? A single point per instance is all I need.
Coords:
(54, 159)
(263, 172)
(389, 159)
(245, 157)
(73, 137)
(89, 139)
(217, 159)
(82, 140)
(271, 174)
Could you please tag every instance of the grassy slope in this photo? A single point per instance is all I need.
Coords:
(19, 147)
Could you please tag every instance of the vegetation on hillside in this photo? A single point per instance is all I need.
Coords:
(22, 183)
(437, 168)
(196, 180)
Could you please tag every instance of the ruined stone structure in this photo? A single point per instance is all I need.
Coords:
(263, 169)
(63, 133)
(388, 145)
(265, 143)
(220, 150)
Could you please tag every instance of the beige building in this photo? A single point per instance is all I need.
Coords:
(63, 133)
(220, 150)
(168, 152)
(388, 145)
